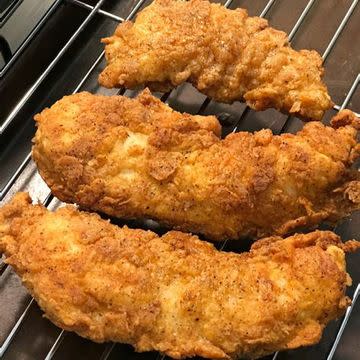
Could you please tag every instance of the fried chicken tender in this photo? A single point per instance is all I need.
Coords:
(224, 53)
(175, 293)
(137, 158)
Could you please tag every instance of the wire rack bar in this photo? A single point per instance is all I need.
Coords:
(9, 12)
(338, 108)
(93, 66)
(301, 19)
(30, 36)
(344, 323)
(32, 89)
(3, 265)
(267, 8)
(18, 171)
(7, 341)
(227, 3)
(340, 29)
(55, 346)
(102, 12)
(351, 92)
(107, 351)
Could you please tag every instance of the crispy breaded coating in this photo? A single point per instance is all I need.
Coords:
(136, 158)
(224, 53)
(175, 293)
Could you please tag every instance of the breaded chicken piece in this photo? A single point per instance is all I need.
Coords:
(137, 158)
(175, 293)
(225, 54)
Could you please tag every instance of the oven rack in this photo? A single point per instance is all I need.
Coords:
(51, 202)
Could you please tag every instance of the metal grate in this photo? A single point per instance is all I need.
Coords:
(234, 118)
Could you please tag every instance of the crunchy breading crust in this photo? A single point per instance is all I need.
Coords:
(136, 158)
(175, 293)
(225, 54)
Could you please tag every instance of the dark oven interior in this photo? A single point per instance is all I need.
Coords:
(53, 48)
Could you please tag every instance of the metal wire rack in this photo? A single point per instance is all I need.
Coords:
(204, 105)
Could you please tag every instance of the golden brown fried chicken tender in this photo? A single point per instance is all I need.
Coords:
(175, 293)
(225, 54)
(137, 158)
